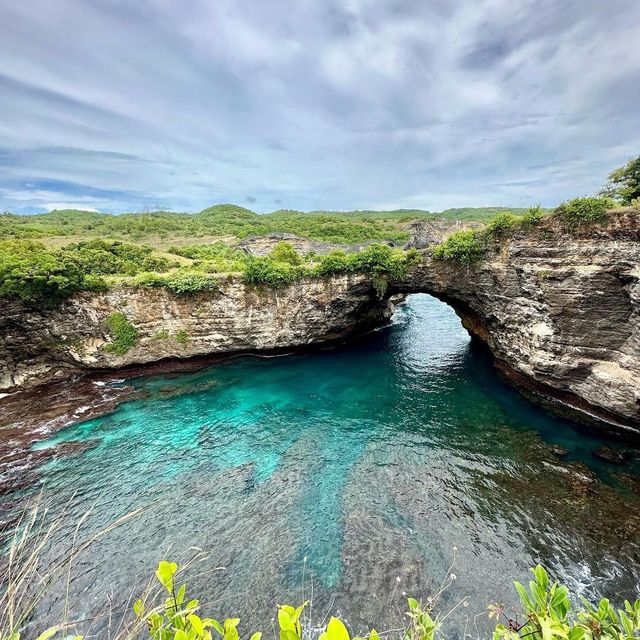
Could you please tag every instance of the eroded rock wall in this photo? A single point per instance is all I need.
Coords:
(559, 310)
(37, 346)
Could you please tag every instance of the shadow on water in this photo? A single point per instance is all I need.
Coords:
(359, 467)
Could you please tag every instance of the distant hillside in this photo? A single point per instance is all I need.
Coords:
(226, 220)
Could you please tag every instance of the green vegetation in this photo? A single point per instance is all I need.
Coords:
(284, 252)
(125, 335)
(265, 270)
(70, 258)
(376, 260)
(220, 221)
(581, 211)
(532, 216)
(502, 224)
(229, 222)
(182, 337)
(32, 273)
(465, 247)
(623, 184)
(546, 614)
(181, 283)
(215, 257)
(468, 246)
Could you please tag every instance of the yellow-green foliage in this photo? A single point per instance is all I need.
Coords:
(465, 247)
(546, 613)
(285, 252)
(582, 211)
(30, 272)
(182, 283)
(125, 335)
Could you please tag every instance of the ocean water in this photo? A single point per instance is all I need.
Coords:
(356, 475)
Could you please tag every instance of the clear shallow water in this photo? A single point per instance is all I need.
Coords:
(371, 461)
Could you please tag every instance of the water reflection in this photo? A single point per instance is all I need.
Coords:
(359, 468)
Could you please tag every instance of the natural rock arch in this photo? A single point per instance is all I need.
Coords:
(559, 311)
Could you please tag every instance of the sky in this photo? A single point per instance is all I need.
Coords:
(122, 105)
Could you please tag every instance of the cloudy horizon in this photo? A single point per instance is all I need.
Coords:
(119, 106)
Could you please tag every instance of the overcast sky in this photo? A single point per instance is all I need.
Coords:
(123, 105)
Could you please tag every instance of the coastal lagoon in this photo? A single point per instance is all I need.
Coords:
(355, 475)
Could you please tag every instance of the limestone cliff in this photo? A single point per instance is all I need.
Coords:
(559, 310)
(41, 345)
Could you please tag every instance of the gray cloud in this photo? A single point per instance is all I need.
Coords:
(341, 104)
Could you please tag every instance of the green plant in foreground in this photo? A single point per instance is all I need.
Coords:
(125, 335)
(547, 615)
(177, 618)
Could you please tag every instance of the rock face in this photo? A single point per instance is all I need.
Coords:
(560, 312)
(425, 233)
(37, 346)
(263, 245)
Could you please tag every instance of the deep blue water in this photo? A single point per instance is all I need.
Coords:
(353, 471)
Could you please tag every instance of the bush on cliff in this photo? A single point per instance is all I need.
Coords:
(32, 273)
(285, 252)
(582, 211)
(376, 259)
(266, 271)
(182, 283)
(465, 247)
(125, 335)
(502, 224)
(532, 216)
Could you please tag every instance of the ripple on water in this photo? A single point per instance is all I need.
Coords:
(358, 468)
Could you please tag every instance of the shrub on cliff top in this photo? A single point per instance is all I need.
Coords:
(532, 216)
(581, 211)
(190, 282)
(374, 260)
(284, 251)
(264, 270)
(502, 224)
(31, 272)
(181, 283)
(465, 247)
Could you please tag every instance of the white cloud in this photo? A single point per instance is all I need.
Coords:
(332, 105)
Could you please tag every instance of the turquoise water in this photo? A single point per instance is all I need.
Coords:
(353, 472)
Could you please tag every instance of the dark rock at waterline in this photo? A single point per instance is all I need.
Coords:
(613, 456)
(631, 481)
(558, 450)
